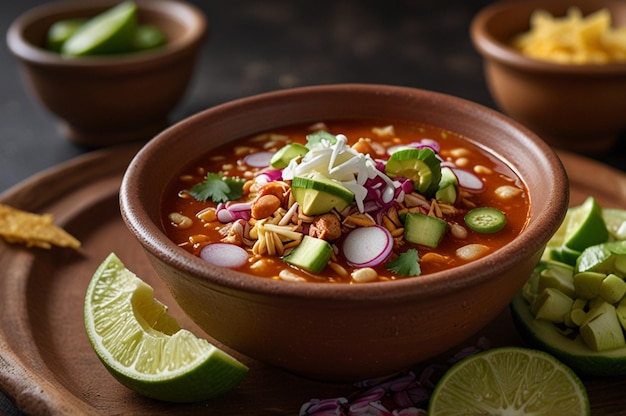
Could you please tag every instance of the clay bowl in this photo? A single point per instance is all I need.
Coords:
(580, 108)
(336, 331)
(106, 100)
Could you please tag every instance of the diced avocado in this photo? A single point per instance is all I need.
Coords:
(448, 190)
(424, 229)
(551, 305)
(578, 316)
(612, 288)
(620, 310)
(312, 254)
(285, 154)
(587, 284)
(601, 330)
(318, 194)
(558, 276)
(420, 166)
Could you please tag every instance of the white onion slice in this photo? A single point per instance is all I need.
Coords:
(367, 246)
(224, 255)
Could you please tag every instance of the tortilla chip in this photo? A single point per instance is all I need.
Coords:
(33, 230)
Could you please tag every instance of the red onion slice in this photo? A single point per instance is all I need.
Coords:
(468, 180)
(259, 159)
(368, 246)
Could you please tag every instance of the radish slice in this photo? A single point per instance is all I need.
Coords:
(468, 180)
(224, 255)
(368, 246)
(259, 159)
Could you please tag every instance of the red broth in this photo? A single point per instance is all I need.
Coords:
(194, 224)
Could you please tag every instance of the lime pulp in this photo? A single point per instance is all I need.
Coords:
(144, 348)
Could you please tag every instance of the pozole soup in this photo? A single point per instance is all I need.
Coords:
(346, 201)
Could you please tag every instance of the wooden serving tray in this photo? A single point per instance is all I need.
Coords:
(46, 363)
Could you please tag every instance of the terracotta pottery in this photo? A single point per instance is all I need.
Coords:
(335, 331)
(104, 100)
(580, 108)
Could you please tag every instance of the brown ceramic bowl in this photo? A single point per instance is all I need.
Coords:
(575, 107)
(105, 100)
(336, 331)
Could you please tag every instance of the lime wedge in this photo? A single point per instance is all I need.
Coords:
(615, 220)
(109, 32)
(585, 226)
(509, 381)
(144, 348)
(61, 31)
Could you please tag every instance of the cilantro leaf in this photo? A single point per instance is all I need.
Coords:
(406, 264)
(218, 189)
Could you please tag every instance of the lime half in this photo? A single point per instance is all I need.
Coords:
(109, 32)
(509, 381)
(144, 348)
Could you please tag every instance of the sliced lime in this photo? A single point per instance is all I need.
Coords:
(61, 31)
(585, 226)
(511, 381)
(144, 348)
(109, 32)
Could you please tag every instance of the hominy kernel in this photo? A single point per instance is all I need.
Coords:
(227, 166)
(180, 221)
(184, 194)
(207, 215)
(459, 152)
(386, 131)
(337, 268)
(243, 150)
(198, 238)
(364, 275)
(462, 162)
(458, 231)
(482, 170)
(507, 191)
(472, 251)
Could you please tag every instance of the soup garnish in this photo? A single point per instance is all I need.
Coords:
(371, 203)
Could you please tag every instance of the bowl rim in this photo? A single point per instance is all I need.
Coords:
(193, 19)
(491, 47)
(534, 236)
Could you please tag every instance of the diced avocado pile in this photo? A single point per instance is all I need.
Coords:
(584, 292)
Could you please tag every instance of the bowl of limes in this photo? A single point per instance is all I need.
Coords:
(110, 70)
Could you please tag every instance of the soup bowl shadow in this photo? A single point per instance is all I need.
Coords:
(581, 108)
(106, 100)
(343, 332)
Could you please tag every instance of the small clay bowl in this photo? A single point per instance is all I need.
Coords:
(343, 331)
(105, 100)
(581, 108)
